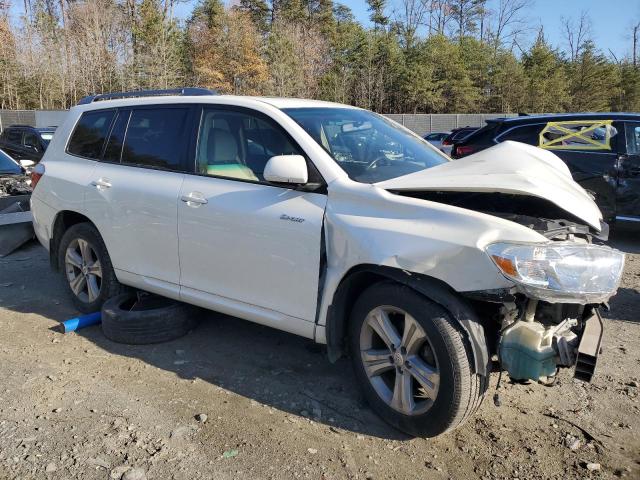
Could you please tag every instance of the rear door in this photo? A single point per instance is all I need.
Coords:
(628, 191)
(134, 190)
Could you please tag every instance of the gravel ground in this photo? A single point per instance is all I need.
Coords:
(79, 406)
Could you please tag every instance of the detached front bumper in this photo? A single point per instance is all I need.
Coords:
(589, 348)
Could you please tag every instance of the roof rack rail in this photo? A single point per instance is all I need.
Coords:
(189, 91)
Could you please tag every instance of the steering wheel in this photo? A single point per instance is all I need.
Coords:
(382, 160)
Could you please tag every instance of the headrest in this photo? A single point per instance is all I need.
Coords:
(222, 147)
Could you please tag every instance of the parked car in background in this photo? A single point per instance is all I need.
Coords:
(337, 224)
(24, 142)
(8, 166)
(602, 151)
(456, 135)
(436, 138)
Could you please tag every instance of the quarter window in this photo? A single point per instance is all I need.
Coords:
(156, 138)
(90, 134)
(238, 145)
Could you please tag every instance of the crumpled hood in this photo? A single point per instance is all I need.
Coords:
(509, 167)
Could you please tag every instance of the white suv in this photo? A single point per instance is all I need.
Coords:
(339, 225)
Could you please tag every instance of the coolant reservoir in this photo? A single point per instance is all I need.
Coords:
(526, 351)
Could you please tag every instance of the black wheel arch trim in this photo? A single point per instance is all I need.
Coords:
(432, 288)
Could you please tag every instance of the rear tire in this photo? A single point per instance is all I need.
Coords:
(413, 361)
(86, 268)
(155, 319)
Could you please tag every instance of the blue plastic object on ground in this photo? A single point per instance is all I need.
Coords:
(74, 324)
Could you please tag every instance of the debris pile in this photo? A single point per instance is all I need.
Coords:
(15, 185)
(15, 218)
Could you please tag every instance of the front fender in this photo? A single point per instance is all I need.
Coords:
(362, 276)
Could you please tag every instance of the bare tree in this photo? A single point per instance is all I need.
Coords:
(411, 17)
(634, 37)
(509, 22)
(439, 16)
(576, 33)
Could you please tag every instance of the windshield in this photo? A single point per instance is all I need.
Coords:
(369, 147)
(7, 165)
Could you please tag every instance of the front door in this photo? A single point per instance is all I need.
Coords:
(628, 191)
(134, 192)
(242, 239)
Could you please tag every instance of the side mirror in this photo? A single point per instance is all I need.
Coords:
(27, 163)
(287, 169)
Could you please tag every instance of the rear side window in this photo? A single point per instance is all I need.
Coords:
(528, 134)
(579, 135)
(156, 138)
(90, 134)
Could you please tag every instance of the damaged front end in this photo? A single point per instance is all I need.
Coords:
(549, 319)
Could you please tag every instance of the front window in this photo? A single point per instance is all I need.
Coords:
(367, 146)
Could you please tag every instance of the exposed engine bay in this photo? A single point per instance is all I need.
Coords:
(535, 213)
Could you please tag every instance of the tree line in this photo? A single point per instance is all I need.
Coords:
(416, 56)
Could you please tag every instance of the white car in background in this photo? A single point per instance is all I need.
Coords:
(436, 138)
(339, 225)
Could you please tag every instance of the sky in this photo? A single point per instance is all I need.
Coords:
(612, 20)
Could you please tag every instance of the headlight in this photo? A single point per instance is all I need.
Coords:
(560, 272)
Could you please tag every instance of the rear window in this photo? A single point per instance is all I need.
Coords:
(90, 134)
(156, 138)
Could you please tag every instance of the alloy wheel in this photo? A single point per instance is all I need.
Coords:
(83, 269)
(399, 361)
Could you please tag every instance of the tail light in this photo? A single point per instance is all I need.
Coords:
(447, 142)
(36, 174)
(464, 150)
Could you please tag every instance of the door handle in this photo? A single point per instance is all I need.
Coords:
(194, 199)
(101, 183)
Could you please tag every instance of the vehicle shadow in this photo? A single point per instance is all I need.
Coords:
(626, 237)
(272, 367)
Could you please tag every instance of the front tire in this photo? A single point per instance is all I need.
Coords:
(412, 361)
(86, 268)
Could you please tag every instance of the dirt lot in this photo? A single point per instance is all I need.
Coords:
(80, 406)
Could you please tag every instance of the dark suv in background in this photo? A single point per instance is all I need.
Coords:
(24, 142)
(602, 150)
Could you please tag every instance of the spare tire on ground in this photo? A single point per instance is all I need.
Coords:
(141, 318)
